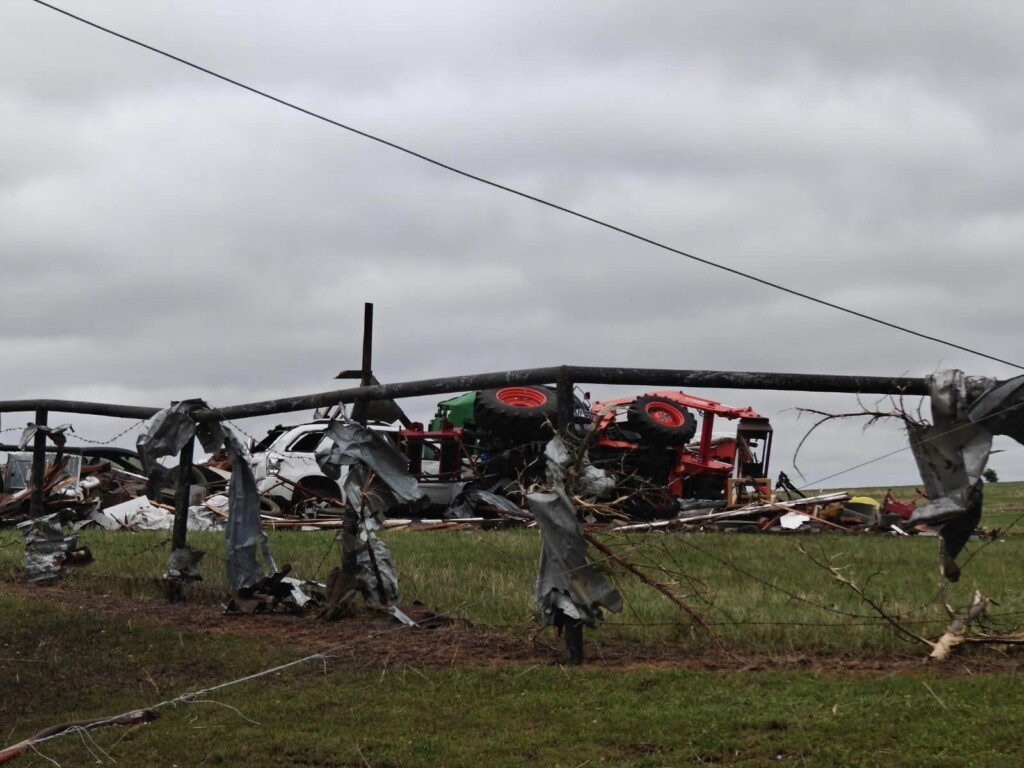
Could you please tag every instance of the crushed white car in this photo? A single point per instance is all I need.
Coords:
(284, 463)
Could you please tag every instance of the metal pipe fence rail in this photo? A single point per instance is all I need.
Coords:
(564, 377)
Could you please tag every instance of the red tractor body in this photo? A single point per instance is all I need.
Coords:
(663, 421)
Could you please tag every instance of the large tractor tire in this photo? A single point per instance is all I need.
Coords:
(515, 412)
(661, 421)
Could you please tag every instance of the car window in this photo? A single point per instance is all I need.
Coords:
(266, 442)
(307, 442)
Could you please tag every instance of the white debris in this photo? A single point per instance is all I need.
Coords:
(793, 520)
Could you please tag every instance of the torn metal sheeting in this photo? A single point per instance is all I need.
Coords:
(353, 443)
(183, 565)
(589, 483)
(1000, 408)
(476, 502)
(277, 590)
(377, 482)
(367, 575)
(566, 582)
(48, 550)
(244, 532)
(167, 432)
(55, 434)
(951, 453)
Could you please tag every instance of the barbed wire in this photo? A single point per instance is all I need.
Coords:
(120, 434)
(233, 424)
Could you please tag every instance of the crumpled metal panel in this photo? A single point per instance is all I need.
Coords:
(566, 582)
(370, 496)
(183, 565)
(56, 434)
(46, 548)
(466, 505)
(165, 434)
(167, 431)
(244, 532)
(1000, 408)
(951, 453)
(352, 443)
(368, 579)
(591, 483)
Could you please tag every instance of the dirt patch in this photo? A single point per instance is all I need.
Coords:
(372, 637)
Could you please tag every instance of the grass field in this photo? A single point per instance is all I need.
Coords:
(798, 670)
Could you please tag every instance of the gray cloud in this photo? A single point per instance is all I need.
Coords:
(167, 236)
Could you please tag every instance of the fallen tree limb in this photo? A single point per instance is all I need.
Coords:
(697, 618)
(954, 634)
(950, 639)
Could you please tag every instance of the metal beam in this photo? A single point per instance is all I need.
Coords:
(665, 377)
(79, 406)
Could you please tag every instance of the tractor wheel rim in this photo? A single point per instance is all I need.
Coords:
(665, 414)
(521, 397)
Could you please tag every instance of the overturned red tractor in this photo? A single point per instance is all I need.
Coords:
(646, 440)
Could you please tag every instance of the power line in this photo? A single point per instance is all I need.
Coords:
(526, 195)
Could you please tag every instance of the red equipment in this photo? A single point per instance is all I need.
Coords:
(663, 420)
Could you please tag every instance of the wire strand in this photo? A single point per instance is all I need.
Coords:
(525, 195)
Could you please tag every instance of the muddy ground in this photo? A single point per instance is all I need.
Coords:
(373, 637)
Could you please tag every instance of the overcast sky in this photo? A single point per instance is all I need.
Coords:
(164, 235)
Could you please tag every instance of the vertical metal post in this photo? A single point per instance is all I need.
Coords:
(566, 400)
(38, 466)
(181, 499)
(359, 409)
(572, 629)
(181, 495)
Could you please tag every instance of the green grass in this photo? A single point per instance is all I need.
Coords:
(763, 595)
(346, 714)
(760, 592)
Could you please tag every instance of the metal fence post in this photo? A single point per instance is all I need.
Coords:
(571, 628)
(566, 399)
(181, 498)
(38, 466)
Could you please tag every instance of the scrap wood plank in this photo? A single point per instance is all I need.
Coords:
(749, 510)
(811, 515)
(216, 510)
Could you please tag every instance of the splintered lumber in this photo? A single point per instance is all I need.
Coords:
(750, 510)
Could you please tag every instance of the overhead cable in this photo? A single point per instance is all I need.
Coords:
(526, 195)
